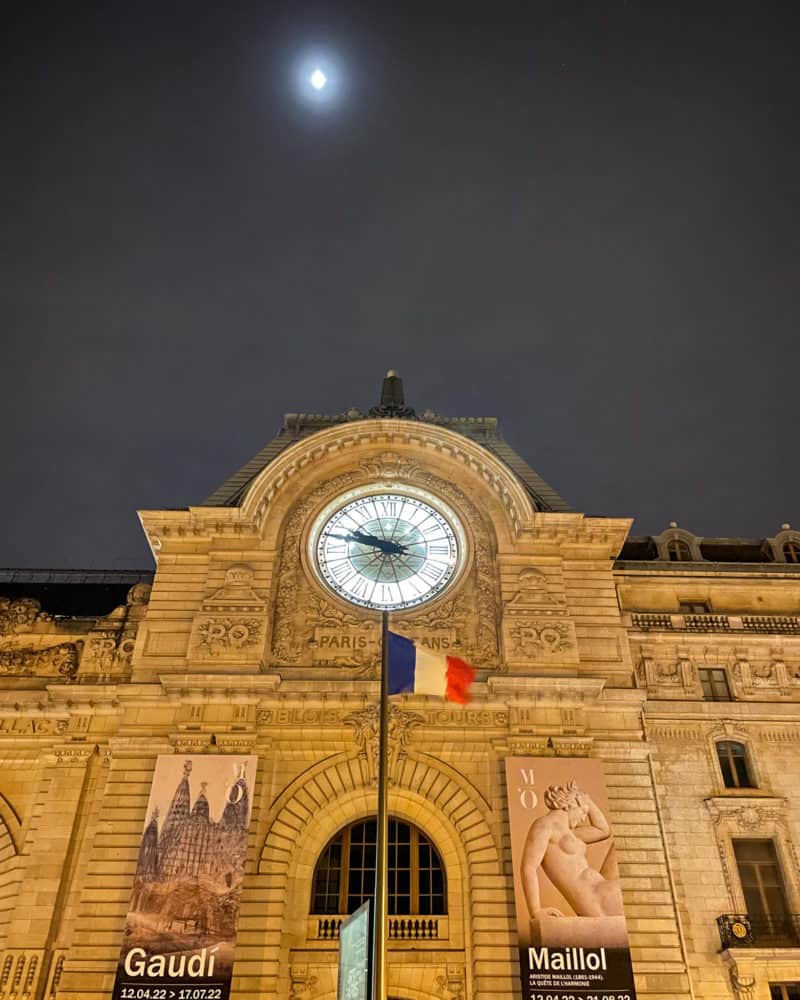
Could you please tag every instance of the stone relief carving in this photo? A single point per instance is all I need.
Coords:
(669, 673)
(743, 986)
(220, 637)
(100, 653)
(286, 646)
(301, 983)
(296, 600)
(450, 983)
(236, 593)
(350, 640)
(535, 625)
(656, 674)
(389, 465)
(366, 725)
(746, 817)
(61, 660)
(139, 594)
(20, 614)
(534, 640)
(232, 618)
(751, 677)
(534, 593)
(109, 646)
(26, 726)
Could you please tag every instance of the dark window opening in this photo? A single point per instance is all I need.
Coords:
(784, 991)
(714, 682)
(762, 885)
(345, 874)
(694, 608)
(733, 764)
(678, 550)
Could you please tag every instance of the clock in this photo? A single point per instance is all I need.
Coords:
(387, 550)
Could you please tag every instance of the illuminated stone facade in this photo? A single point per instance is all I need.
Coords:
(587, 643)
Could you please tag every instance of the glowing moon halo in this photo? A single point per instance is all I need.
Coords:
(318, 79)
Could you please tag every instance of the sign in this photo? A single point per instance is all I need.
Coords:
(181, 926)
(354, 956)
(573, 941)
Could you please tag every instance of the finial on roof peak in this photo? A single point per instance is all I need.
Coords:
(393, 402)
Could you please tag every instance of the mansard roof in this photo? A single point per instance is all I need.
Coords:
(483, 430)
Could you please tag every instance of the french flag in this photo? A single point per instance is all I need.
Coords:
(416, 670)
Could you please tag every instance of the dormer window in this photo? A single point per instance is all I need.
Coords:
(678, 550)
(791, 551)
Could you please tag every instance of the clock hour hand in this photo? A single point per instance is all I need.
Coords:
(390, 548)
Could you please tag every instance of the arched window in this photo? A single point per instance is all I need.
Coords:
(345, 874)
(733, 764)
(678, 550)
(791, 551)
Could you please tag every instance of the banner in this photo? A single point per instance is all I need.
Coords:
(573, 942)
(181, 925)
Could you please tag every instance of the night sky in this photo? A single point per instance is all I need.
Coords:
(579, 217)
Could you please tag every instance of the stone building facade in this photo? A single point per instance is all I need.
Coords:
(674, 660)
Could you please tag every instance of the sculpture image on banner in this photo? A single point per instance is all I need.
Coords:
(573, 941)
(181, 926)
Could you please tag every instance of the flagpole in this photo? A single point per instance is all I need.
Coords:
(381, 866)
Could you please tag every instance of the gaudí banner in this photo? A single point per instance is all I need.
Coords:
(181, 926)
(573, 941)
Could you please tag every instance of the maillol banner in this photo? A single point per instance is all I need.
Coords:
(181, 925)
(573, 942)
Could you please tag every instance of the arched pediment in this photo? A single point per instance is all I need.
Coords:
(396, 450)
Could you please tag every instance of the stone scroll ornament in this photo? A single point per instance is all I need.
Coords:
(573, 940)
(180, 931)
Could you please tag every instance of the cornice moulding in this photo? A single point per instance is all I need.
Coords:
(546, 689)
(233, 687)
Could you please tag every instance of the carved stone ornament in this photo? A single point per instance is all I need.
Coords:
(534, 594)
(388, 465)
(744, 987)
(671, 673)
(20, 614)
(301, 983)
(450, 983)
(366, 727)
(347, 639)
(139, 594)
(61, 660)
(747, 817)
(763, 675)
(534, 639)
(236, 593)
(299, 605)
(223, 637)
(22, 726)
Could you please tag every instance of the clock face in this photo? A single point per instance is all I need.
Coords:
(387, 550)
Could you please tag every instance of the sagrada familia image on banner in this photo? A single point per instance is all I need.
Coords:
(190, 868)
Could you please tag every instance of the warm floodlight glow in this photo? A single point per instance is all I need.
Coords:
(318, 79)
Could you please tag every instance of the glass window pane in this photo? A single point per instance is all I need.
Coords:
(416, 878)
(742, 774)
(727, 772)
